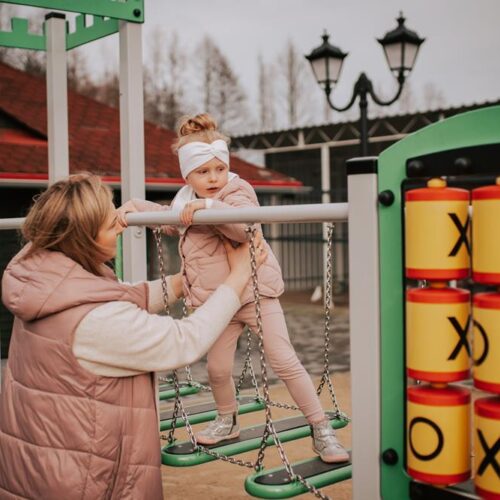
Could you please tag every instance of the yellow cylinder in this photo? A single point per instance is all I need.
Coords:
(486, 443)
(437, 348)
(486, 345)
(437, 232)
(438, 434)
(486, 234)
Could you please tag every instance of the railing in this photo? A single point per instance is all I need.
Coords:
(321, 212)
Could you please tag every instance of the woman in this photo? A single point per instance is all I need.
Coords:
(78, 409)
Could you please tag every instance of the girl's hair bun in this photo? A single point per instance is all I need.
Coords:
(193, 124)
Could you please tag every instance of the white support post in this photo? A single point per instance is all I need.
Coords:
(275, 232)
(57, 96)
(364, 312)
(325, 198)
(132, 145)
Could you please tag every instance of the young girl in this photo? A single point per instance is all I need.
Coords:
(204, 163)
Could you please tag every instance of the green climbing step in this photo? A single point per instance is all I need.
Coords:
(183, 454)
(167, 391)
(275, 483)
(208, 411)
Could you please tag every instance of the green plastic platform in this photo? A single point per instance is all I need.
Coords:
(167, 391)
(183, 454)
(208, 411)
(275, 483)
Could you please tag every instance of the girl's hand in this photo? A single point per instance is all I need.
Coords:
(189, 210)
(123, 211)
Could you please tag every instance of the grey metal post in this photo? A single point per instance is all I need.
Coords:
(57, 96)
(325, 198)
(132, 145)
(364, 312)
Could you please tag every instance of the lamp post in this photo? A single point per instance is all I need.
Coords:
(401, 48)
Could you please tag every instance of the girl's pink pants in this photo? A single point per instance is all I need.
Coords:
(280, 354)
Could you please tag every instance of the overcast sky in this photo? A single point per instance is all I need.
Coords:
(460, 55)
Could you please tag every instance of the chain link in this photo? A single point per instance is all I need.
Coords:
(270, 429)
(248, 366)
(326, 377)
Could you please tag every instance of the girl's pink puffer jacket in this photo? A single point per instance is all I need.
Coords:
(204, 259)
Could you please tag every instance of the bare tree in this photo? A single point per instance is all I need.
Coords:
(407, 102)
(298, 89)
(164, 76)
(221, 92)
(433, 97)
(267, 103)
(79, 75)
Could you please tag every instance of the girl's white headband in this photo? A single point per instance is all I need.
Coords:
(194, 154)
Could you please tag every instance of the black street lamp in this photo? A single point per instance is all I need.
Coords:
(401, 48)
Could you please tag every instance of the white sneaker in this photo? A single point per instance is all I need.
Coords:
(326, 445)
(224, 427)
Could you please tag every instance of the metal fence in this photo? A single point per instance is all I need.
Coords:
(300, 247)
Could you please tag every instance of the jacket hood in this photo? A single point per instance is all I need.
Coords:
(48, 282)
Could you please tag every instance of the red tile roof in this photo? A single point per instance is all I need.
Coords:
(94, 137)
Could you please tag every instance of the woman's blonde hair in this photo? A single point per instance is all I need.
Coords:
(67, 218)
(200, 127)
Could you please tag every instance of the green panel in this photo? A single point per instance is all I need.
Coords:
(185, 390)
(294, 488)
(199, 457)
(255, 405)
(19, 36)
(473, 128)
(119, 257)
(84, 34)
(126, 10)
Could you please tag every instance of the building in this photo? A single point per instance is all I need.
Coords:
(316, 155)
(94, 145)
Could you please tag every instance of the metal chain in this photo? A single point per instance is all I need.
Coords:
(326, 376)
(185, 314)
(270, 429)
(248, 366)
(161, 263)
(163, 277)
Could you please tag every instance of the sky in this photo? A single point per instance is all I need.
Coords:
(459, 57)
(460, 54)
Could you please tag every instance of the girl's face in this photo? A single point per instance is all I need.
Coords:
(106, 237)
(208, 179)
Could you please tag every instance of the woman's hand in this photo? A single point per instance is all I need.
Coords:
(176, 282)
(189, 210)
(123, 211)
(239, 262)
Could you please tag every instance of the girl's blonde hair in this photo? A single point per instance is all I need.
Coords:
(67, 218)
(200, 127)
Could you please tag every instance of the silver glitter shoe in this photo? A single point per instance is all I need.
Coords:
(222, 428)
(326, 445)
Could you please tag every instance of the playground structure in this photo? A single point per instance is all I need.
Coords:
(465, 149)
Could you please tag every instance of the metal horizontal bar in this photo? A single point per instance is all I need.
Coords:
(321, 212)
(14, 223)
